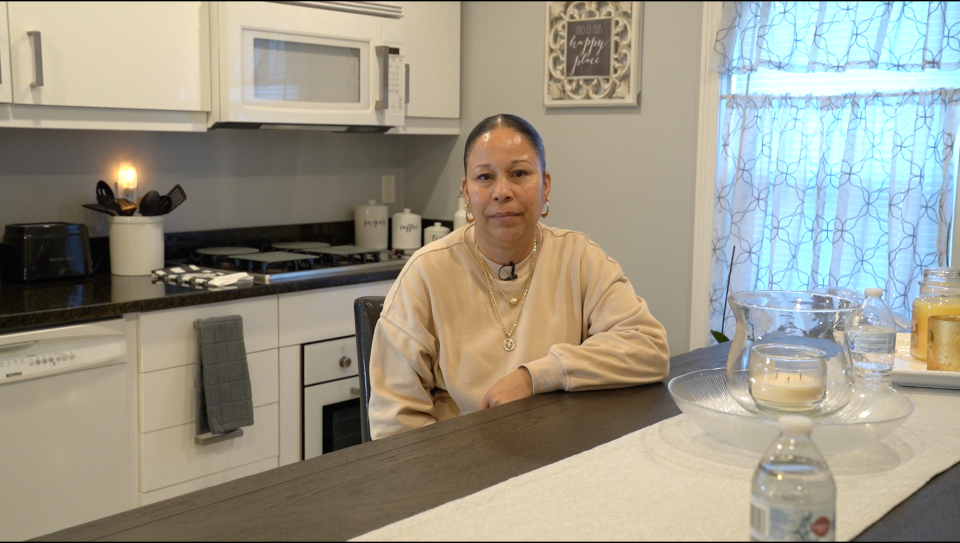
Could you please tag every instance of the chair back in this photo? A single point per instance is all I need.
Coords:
(366, 313)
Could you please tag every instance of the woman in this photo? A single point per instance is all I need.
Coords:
(504, 307)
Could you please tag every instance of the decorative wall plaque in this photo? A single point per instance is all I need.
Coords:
(592, 54)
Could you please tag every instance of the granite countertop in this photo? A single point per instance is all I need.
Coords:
(25, 306)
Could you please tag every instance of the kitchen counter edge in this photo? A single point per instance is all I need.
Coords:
(28, 319)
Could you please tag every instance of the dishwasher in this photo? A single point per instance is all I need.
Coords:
(67, 427)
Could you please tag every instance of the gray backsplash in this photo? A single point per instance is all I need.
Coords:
(233, 178)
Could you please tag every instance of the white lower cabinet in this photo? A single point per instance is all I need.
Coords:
(171, 463)
(170, 456)
(275, 329)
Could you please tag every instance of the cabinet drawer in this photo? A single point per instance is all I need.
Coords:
(206, 482)
(322, 314)
(322, 361)
(170, 456)
(168, 338)
(168, 397)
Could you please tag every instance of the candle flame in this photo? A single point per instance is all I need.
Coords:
(127, 176)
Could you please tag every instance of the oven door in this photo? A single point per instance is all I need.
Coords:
(288, 64)
(331, 417)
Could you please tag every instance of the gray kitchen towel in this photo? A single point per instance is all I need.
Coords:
(224, 400)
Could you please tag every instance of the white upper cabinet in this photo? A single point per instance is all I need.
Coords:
(4, 56)
(432, 53)
(127, 55)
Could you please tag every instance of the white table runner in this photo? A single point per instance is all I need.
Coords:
(672, 481)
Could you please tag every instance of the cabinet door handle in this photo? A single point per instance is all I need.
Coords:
(406, 83)
(210, 439)
(355, 391)
(383, 56)
(37, 57)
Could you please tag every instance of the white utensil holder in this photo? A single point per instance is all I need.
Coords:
(136, 245)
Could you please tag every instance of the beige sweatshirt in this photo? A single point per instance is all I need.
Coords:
(438, 346)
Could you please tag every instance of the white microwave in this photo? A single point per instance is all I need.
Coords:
(326, 65)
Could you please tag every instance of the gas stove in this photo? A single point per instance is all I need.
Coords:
(290, 261)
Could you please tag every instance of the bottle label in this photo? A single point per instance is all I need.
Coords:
(779, 523)
(873, 342)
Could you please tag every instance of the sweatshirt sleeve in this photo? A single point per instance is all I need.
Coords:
(624, 344)
(402, 360)
(401, 379)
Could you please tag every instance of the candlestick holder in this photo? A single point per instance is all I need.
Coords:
(789, 353)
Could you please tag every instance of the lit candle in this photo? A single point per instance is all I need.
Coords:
(127, 182)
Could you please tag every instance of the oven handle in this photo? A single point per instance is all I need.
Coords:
(383, 57)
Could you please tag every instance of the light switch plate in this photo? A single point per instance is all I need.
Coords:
(389, 189)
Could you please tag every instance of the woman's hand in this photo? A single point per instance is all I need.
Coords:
(515, 385)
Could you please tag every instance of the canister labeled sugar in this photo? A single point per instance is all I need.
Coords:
(943, 343)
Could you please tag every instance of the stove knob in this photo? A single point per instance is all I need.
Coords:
(345, 362)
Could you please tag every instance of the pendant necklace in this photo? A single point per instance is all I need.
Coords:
(509, 344)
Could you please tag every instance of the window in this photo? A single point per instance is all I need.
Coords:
(837, 157)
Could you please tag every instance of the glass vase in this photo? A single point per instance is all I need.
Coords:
(782, 338)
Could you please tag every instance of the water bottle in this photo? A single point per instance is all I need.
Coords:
(872, 338)
(793, 496)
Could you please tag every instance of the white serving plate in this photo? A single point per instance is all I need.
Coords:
(910, 372)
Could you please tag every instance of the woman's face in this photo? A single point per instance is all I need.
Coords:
(505, 188)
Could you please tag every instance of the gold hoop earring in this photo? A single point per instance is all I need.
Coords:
(470, 217)
(547, 212)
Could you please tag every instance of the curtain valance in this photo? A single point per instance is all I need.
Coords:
(836, 36)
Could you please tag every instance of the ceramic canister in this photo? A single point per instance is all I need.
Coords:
(406, 230)
(370, 225)
(435, 232)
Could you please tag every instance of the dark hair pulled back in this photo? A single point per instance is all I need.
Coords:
(506, 120)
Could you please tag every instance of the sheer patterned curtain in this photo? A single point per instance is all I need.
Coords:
(835, 36)
(852, 190)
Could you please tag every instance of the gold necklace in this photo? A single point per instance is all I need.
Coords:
(512, 299)
(509, 344)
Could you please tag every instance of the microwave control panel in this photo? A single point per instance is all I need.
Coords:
(396, 84)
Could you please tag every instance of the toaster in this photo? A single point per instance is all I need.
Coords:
(52, 250)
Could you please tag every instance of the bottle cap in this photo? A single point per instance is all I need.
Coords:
(406, 210)
(437, 224)
(371, 202)
(873, 292)
(795, 425)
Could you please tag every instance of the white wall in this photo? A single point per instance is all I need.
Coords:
(624, 176)
(233, 178)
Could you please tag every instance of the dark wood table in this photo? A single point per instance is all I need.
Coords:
(350, 492)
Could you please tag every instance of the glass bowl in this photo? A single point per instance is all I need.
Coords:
(871, 415)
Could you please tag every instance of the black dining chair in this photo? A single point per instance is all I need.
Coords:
(366, 313)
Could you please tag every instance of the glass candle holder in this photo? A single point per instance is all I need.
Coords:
(790, 318)
(787, 378)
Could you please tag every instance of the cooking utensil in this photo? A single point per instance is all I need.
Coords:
(101, 209)
(105, 196)
(165, 204)
(127, 208)
(150, 204)
(177, 197)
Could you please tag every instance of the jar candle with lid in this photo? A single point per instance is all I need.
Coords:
(939, 295)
